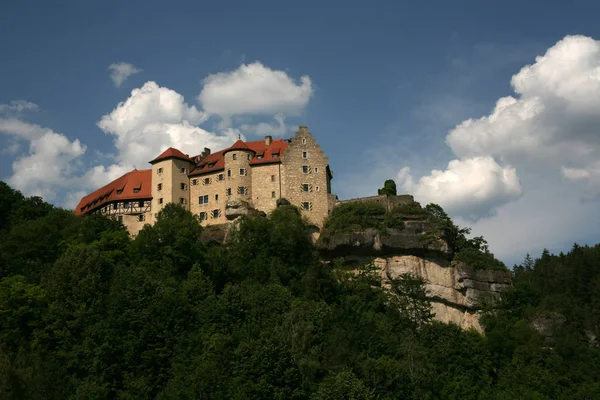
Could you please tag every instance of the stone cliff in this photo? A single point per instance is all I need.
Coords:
(454, 288)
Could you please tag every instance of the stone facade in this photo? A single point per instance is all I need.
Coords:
(306, 177)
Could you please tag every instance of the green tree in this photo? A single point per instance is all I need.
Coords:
(388, 189)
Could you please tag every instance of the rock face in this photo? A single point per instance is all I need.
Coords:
(455, 289)
(413, 239)
(237, 208)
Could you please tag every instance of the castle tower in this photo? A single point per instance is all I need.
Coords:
(170, 182)
(238, 173)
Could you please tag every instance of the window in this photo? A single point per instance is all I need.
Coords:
(183, 170)
(182, 200)
(305, 187)
(242, 190)
(126, 204)
(275, 155)
(119, 191)
(228, 192)
(316, 169)
(307, 205)
(159, 171)
(120, 218)
(141, 218)
(249, 157)
(259, 157)
(136, 190)
(303, 140)
(159, 187)
(211, 165)
(203, 199)
(160, 201)
(273, 194)
(220, 177)
(228, 173)
(305, 154)
(216, 197)
(215, 213)
(140, 203)
(183, 186)
(306, 169)
(115, 206)
(234, 156)
(206, 181)
(194, 182)
(242, 171)
(203, 216)
(318, 189)
(272, 178)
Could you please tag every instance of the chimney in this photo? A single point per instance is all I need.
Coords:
(268, 140)
(205, 152)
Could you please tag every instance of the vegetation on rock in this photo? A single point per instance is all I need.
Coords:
(86, 312)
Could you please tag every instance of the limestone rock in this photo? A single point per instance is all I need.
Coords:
(454, 288)
(414, 238)
(236, 208)
(546, 321)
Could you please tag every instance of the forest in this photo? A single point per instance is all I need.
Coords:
(87, 312)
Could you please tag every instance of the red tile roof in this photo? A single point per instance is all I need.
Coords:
(120, 189)
(171, 152)
(263, 155)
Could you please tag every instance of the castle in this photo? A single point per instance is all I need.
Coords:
(258, 173)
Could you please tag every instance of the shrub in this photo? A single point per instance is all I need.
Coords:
(479, 259)
(350, 216)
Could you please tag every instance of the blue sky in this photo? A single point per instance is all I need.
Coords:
(385, 90)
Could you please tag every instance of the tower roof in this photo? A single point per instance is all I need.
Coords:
(171, 152)
(264, 154)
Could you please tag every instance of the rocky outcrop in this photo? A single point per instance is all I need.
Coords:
(454, 288)
(236, 208)
(416, 238)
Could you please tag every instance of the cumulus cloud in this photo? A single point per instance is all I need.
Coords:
(263, 128)
(119, 72)
(551, 125)
(48, 164)
(254, 89)
(471, 187)
(154, 118)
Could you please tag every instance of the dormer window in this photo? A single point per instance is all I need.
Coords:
(119, 191)
(211, 165)
(276, 155)
(259, 157)
(136, 190)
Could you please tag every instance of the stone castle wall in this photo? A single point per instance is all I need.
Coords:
(388, 202)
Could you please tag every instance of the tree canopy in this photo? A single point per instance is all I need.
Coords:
(87, 312)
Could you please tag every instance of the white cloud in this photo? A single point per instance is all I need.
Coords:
(550, 127)
(471, 187)
(49, 163)
(264, 129)
(154, 118)
(119, 72)
(17, 106)
(254, 89)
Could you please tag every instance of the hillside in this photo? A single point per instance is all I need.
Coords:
(87, 312)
